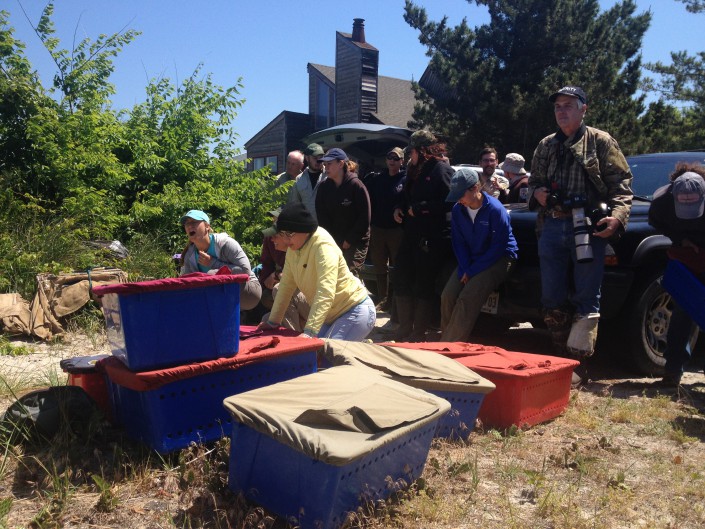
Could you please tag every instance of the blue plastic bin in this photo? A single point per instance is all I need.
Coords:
(191, 410)
(686, 289)
(315, 448)
(288, 482)
(157, 329)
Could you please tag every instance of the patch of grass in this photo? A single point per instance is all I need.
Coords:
(8, 348)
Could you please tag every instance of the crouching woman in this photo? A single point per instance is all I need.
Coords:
(340, 307)
(207, 252)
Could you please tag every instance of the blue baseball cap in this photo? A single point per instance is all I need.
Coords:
(463, 179)
(195, 214)
(334, 154)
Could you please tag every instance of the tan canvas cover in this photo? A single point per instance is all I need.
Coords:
(56, 297)
(337, 415)
(420, 369)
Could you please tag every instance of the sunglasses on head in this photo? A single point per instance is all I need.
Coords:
(395, 158)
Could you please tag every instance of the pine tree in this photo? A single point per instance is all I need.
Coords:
(495, 79)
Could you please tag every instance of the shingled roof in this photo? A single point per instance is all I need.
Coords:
(395, 98)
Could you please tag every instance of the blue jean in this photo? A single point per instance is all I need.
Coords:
(354, 325)
(557, 257)
(678, 351)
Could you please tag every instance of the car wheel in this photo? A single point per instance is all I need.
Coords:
(648, 326)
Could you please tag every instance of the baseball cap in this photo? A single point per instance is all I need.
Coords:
(689, 195)
(397, 151)
(313, 149)
(463, 179)
(269, 232)
(514, 163)
(422, 138)
(275, 212)
(195, 214)
(334, 154)
(571, 91)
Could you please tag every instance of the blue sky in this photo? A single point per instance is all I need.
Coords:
(269, 42)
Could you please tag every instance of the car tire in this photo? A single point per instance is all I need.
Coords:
(648, 314)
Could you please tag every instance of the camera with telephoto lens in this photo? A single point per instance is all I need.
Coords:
(582, 227)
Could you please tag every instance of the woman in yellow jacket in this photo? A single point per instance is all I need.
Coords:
(340, 307)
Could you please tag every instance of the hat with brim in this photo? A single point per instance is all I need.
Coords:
(513, 163)
(269, 232)
(195, 214)
(570, 91)
(689, 196)
(313, 149)
(275, 212)
(334, 154)
(463, 179)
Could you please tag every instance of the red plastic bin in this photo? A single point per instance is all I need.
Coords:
(83, 373)
(530, 388)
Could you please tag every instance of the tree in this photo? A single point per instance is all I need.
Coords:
(683, 82)
(496, 78)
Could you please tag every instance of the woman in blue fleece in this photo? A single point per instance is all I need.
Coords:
(485, 248)
(207, 252)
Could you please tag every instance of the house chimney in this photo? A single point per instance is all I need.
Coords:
(358, 34)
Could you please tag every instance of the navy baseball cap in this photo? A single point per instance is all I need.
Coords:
(571, 91)
(334, 154)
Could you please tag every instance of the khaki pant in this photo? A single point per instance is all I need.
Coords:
(461, 304)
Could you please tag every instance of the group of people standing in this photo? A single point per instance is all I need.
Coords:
(420, 214)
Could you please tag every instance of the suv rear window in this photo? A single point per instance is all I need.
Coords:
(651, 171)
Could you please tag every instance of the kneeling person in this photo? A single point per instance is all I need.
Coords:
(485, 248)
(340, 307)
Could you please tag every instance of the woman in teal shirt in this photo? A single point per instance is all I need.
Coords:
(207, 252)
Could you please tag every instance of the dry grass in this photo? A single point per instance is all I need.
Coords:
(621, 456)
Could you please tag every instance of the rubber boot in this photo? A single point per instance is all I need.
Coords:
(423, 317)
(581, 345)
(583, 335)
(558, 322)
(405, 314)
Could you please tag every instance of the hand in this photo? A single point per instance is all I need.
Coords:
(267, 325)
(541, 195)
(346, 245)
(204, 259)
(270, 281)
(464, 280)
(304, 335)
(410, 212)
(398, 216)
(612, 227)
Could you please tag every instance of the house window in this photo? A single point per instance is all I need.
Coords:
(259, 163)
(325, 105)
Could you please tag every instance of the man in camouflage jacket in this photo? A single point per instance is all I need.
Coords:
(575, 172)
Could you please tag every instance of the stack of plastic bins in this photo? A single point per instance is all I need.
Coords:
(530, 388)
(686, 289)
(173, 321)
(313, 448)
(444, 377)
(167, 409)
(83, 373)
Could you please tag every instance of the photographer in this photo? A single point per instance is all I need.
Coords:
(573, 173)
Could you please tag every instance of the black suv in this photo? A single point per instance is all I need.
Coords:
(635, 309)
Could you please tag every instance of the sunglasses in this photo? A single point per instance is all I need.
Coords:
(395, 158)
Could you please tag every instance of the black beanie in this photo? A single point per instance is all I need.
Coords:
(296, 218)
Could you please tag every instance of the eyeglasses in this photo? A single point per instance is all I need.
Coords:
(287, 234)
(395, 158)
